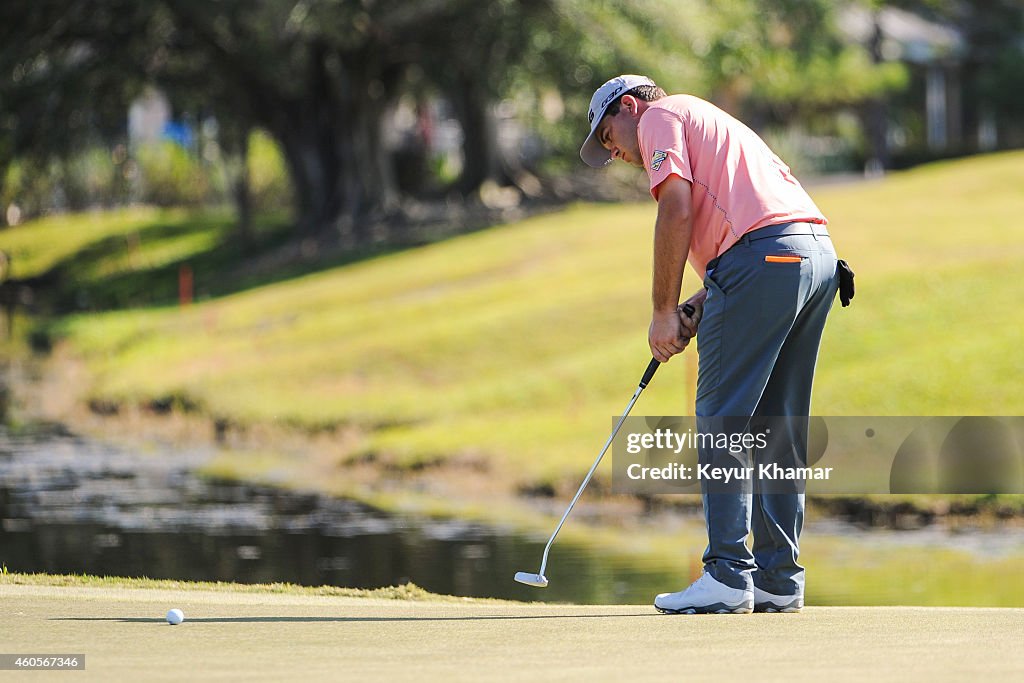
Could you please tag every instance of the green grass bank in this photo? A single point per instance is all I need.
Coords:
(513, 346)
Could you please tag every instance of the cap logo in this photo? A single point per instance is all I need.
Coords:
(611, 97)
(590, 116)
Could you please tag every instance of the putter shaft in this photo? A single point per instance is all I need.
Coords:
(539, 580)
(586, 480)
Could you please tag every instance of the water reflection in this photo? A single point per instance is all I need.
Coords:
(70, 505)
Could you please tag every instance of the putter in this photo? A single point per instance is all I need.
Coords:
(538, 580)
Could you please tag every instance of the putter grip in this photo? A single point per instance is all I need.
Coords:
(652, 367)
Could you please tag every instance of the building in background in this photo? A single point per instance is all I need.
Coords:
(929, 116)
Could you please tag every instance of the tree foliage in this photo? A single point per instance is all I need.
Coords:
(321, 76)
(68, 70)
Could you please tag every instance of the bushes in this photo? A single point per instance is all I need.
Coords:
(162, 173)
(96, 177)
(170, 176)
(268, 178)
(26, 192)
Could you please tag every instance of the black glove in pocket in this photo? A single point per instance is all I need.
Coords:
(845, 282)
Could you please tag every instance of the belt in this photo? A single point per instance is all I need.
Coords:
(796, 228)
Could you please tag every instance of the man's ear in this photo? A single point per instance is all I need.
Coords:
(631, 104)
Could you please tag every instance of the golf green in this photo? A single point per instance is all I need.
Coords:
(229, 635)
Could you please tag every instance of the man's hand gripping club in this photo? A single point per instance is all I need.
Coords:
(671, 332)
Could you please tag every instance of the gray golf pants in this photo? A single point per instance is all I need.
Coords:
(758, 344)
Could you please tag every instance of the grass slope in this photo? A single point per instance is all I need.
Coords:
(131, 257)
(517, 344)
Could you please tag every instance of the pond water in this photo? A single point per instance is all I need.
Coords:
(69, 504)
(73, 505)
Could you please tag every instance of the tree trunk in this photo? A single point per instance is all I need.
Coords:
(332, 143)
(481, 158)
(234, 140)
(369, 185)
(311, 154)
(242, 190)
(3, 206)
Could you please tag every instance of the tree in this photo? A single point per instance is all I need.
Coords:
(293, 69)
(69, 70)
(786, 58)
(320, 77)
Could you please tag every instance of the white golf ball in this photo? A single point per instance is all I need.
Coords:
(175, 617)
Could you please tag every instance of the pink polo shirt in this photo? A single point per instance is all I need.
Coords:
(738, 183)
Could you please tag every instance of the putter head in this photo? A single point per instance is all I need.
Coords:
(535, 580)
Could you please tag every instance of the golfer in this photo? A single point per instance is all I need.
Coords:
(728, 204)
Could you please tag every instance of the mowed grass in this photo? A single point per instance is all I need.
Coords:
(131, 257)
(42, 245)
(518, 344)
(234, 634)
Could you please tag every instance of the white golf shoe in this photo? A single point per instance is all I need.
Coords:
(706, 596)
(769, 602)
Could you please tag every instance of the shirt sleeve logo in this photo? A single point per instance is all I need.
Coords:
(657, 158)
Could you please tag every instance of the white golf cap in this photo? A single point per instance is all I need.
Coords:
(592, 152)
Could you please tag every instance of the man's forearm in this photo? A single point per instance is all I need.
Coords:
(671, 248)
